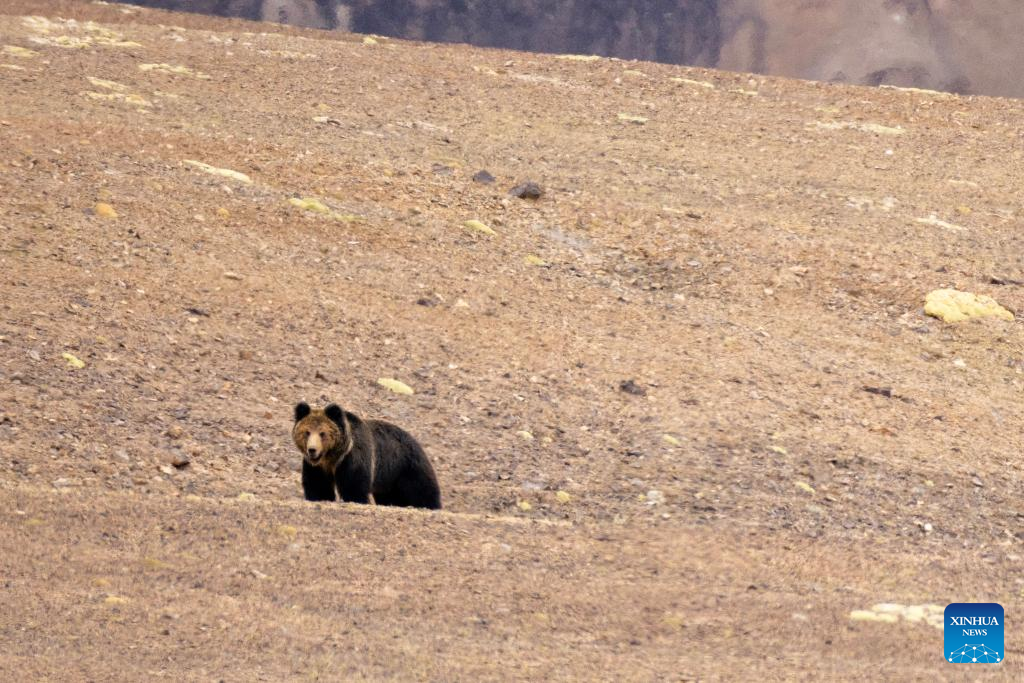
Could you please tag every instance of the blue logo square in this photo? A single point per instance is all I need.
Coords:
(973, 633)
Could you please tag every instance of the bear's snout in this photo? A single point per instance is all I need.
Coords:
(313, 453)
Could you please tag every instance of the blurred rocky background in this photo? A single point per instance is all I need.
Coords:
(965, 47)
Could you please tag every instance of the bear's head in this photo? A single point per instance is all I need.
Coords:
(320, 435)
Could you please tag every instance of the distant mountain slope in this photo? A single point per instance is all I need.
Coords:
(937, 44)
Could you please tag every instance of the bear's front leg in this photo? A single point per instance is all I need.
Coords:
(316, 484)
(354, 482)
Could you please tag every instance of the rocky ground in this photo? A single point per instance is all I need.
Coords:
(689, 418)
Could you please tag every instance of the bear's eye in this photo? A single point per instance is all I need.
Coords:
(305, 434)
(322, 435)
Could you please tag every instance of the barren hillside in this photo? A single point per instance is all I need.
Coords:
(689, 418)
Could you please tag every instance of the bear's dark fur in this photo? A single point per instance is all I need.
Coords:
(362, 457)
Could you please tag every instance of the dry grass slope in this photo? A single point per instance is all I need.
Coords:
(748, 256)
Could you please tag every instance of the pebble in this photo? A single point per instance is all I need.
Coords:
(483, 177)
(631, 387)
(478, 226)
(104, 210)
(527, 190)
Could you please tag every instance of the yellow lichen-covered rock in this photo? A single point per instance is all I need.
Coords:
(223, 172)
(309, 204)
(395, 386)
(866, 615)
(479, 226)
(104, 210)
(107, 85)
(690, 81)
(174, 70)
(73, 361)
(314, 205)
(127, 98)
(952, 306)
(21, 52)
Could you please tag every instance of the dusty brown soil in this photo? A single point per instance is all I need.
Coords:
(751, 258)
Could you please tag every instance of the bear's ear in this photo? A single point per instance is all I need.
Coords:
(334, 413)
(301, 410)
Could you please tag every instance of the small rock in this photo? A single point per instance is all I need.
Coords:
(395, 386)
(524, 505)
(631, 118)
(631, 387)
(671, 440)
(867, 615)
(175, 432)
(804, 486)
(478, 226)
(562, 497)
(180, 460)
(527, 190)
(655, 497)
(73, 361)
(232, 276)
(951, 306)
(977, 482)
(104, 210)
(483, 177)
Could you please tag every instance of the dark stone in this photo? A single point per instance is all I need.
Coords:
(483, 177)
(631, 387)
(527, 190)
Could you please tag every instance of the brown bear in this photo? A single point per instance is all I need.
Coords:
(362, 457)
